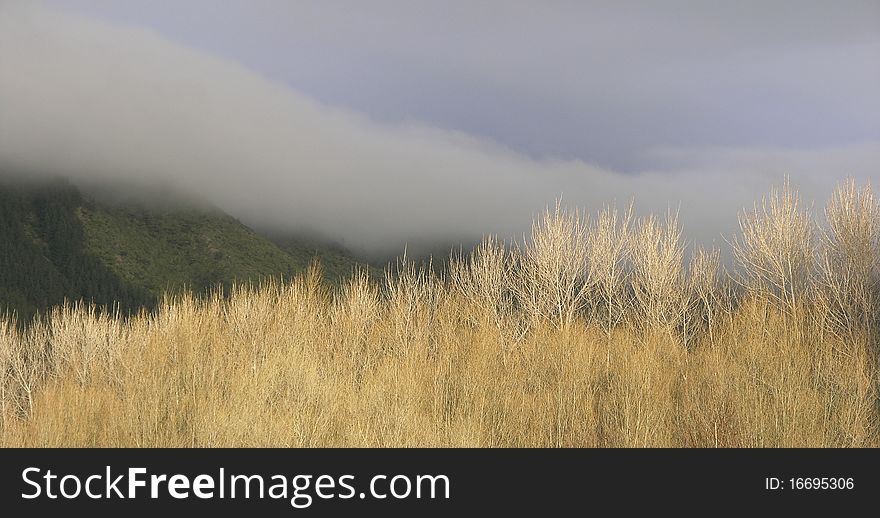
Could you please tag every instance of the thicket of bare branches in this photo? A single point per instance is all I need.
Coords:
(598, 330)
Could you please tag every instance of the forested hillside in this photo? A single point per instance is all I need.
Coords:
(57, 244)
(43, 257)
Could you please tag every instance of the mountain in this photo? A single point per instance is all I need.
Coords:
(56, 244)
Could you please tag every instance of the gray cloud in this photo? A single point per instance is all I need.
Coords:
(600, 81)
(103, 101)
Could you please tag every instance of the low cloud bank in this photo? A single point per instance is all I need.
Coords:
(102, 102)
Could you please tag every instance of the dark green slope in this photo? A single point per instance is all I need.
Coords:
(57, 244)
(336, 262)
(43, 259)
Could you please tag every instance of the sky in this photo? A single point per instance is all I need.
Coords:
(382, 123)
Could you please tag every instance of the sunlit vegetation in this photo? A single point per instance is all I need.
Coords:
(603, 330)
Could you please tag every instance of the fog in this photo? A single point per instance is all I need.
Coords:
(111, 103)
(601, 81)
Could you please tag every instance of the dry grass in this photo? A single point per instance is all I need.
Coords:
(587, 334)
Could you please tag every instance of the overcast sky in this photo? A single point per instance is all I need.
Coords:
(599, 81)
(448, 103)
